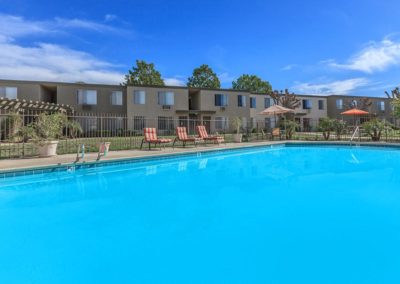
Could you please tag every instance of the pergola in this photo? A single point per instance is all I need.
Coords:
(24, 105)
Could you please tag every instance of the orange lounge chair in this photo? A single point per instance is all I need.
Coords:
(150, 136)
(202, 132)
(181, 135)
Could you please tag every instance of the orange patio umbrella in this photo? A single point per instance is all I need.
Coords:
(354, 112)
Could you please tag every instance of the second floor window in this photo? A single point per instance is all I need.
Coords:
(339, 104)
(139, 97)
(381, 106)
(241, 101)
(116, 98)
(307, 104)
(267, 102)
(253, 103)
(221, 100)
(87, 97)
(321, 104)
(8, 92)
(166, 98)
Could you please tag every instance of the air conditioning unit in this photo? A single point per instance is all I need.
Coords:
(222, 108)
(166, 107)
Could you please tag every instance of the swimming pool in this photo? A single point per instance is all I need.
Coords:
(259, 215)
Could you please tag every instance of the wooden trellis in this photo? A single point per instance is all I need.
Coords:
(24, 105)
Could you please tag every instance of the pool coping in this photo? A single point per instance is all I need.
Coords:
(12, 172)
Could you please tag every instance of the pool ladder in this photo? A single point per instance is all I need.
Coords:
(357, 130)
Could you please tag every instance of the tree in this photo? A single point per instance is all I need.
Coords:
(339, 126)
(285, 99)
(326, 125)
(394, 96)
(143, 74)
(204, 77)
(251, 83)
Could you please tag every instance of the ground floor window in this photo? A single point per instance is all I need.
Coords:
(166, 124)
(139, 122)
(221, 123)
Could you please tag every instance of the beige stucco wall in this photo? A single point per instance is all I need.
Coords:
(25, 91)
(68, 94)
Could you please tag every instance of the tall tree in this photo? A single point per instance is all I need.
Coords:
(285, 99)
(143, 74)
(252, 83)
(394, 97)
(204, 77)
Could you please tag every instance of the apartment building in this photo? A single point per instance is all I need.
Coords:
(167, 106)
(378, 107)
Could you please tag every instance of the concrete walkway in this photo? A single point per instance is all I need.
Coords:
(19, 164)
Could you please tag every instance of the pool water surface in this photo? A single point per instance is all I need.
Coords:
(262, 215)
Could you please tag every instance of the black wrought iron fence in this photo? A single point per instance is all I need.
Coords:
(126, 132)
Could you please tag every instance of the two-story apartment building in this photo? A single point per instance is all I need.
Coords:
(166, 106)
(377, 107)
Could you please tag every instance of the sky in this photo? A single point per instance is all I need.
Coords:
(308, 47)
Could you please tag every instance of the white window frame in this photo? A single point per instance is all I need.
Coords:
(82, 97)
(166, 98)
(139, 97)
(117, 98)
(10, 93)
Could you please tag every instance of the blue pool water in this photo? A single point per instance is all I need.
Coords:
(263, 215)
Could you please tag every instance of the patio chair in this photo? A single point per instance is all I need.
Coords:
(181, 135)
(276, 132)
(150, 137)
(202, 132)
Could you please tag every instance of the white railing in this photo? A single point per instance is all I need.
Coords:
(357, 130)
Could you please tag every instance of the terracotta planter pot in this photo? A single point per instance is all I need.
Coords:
(47, 149)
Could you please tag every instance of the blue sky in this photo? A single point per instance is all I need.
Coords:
(311, 47)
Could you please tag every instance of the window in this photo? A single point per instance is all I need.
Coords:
(307, 104)
(165, 123)
(139, 122)
(241, 101)
(8, 92)
(221, 100)
(166, 98)
(267, 122)
(116, 98)
(253, 102)
(139, 97)
(339, 104)
(321, 104)
(221, 123)
(267, 102)
(87, 97)
(381, 106)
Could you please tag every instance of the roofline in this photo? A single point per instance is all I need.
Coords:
(171, 87)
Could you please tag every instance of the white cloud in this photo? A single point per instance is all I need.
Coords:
(288, 67)
(110, 17)
(12, 27)
(377, 56)
(341, 87)
(54, 63)
(174, 82)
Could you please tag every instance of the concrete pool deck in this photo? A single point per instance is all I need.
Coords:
(68, 159)
(35, 162)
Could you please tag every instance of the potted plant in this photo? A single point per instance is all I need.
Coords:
(237, 123)
(45, 132)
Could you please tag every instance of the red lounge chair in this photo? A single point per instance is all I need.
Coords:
(202, 132)
(181, 135)
(150, 136)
